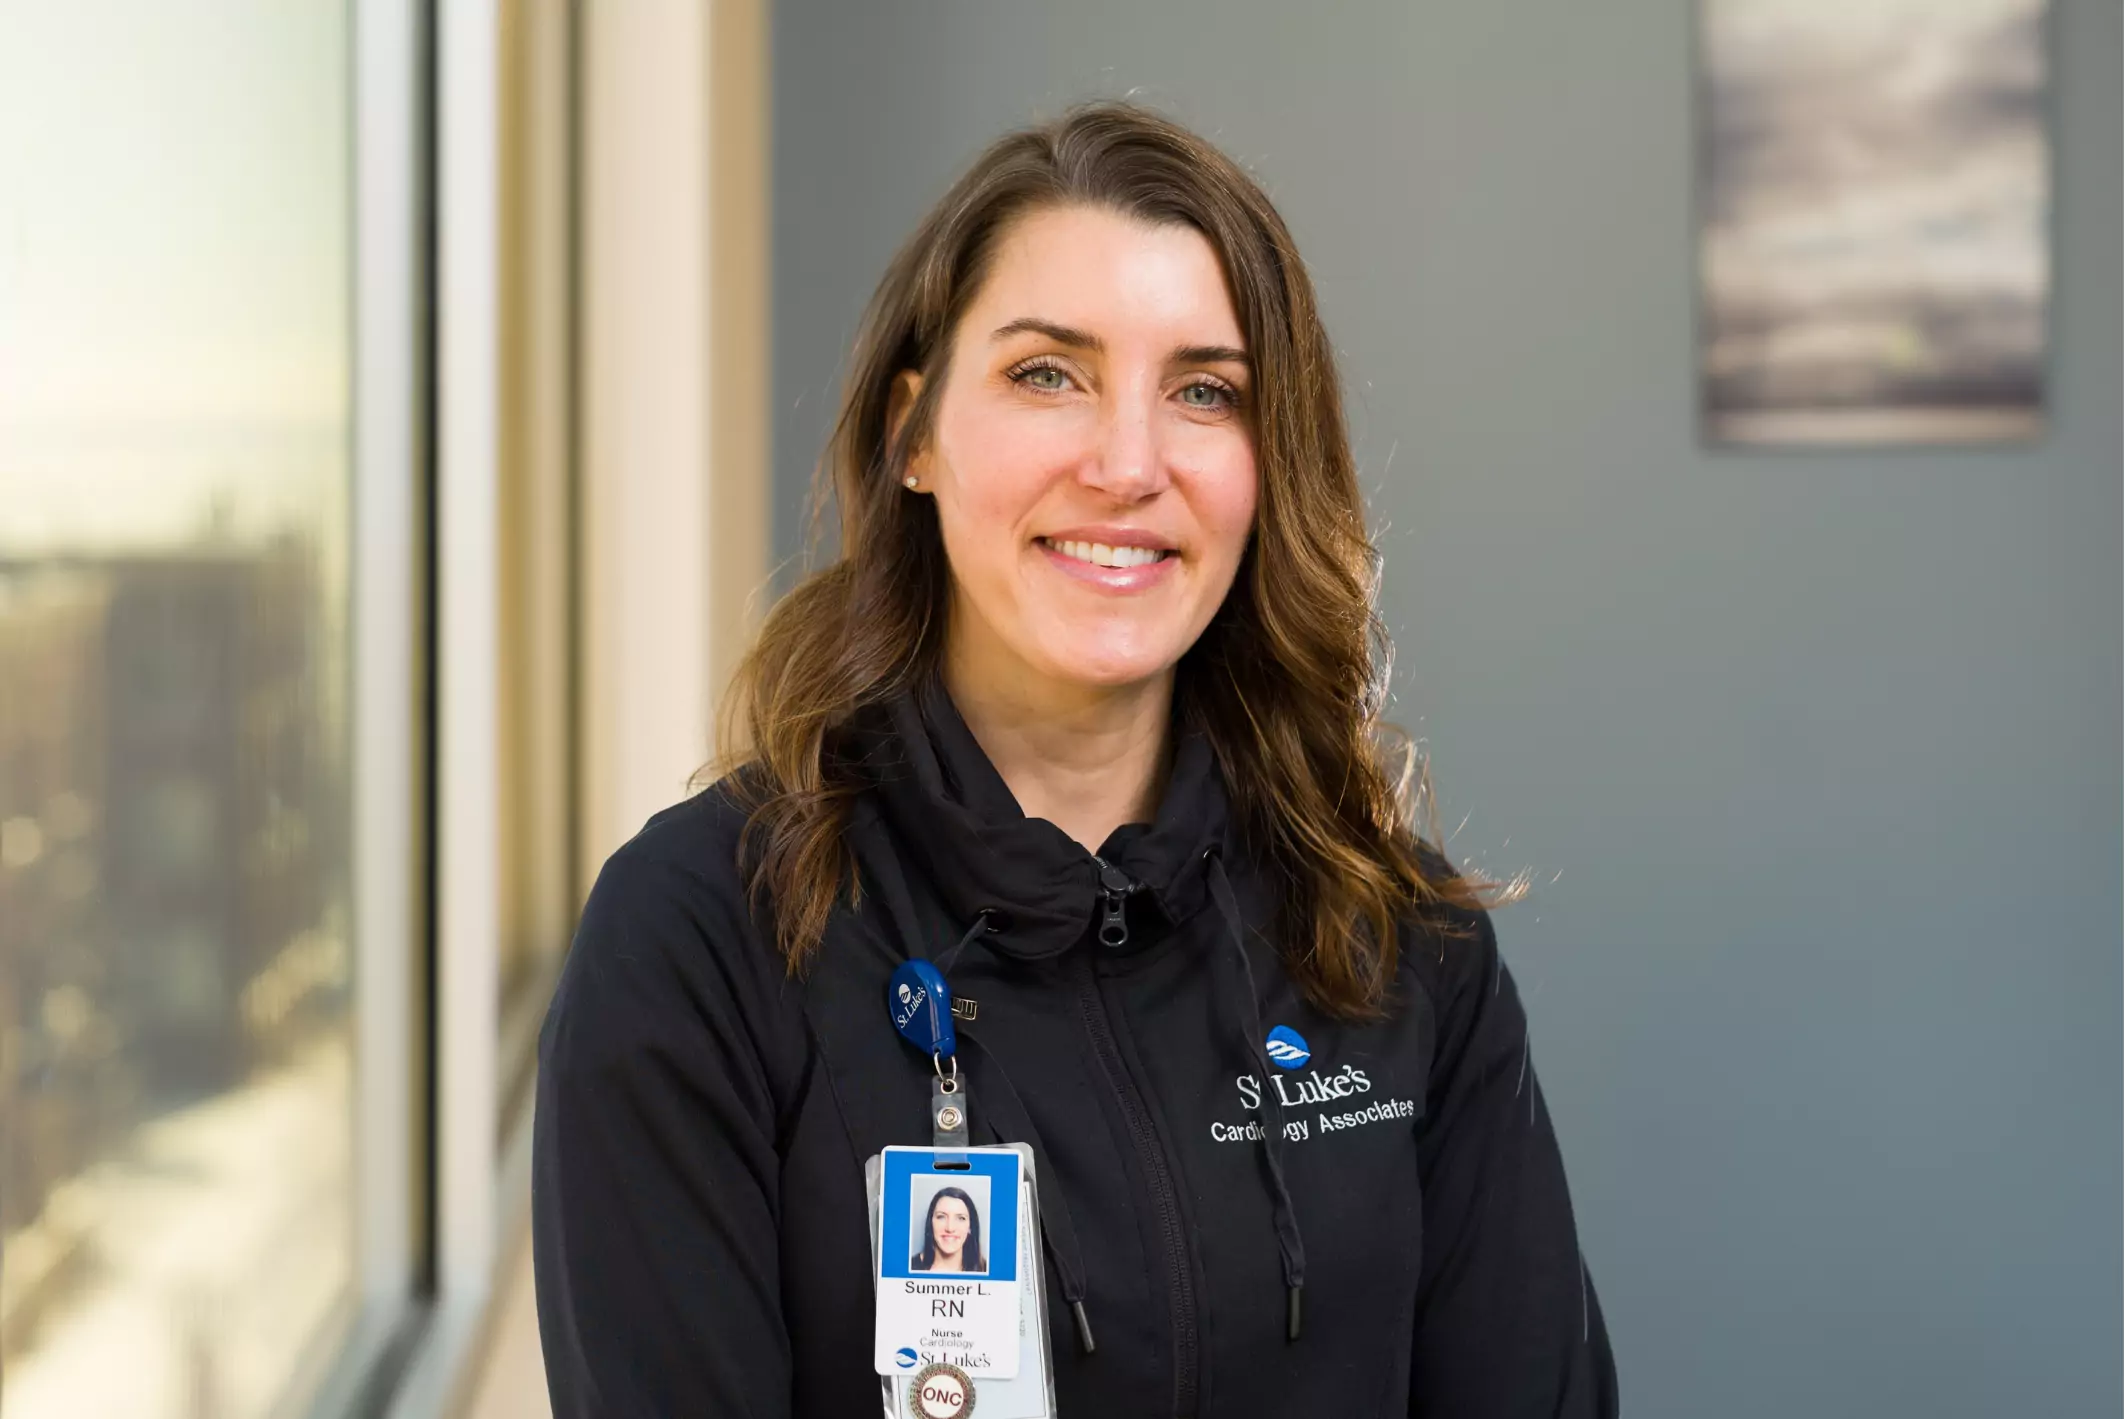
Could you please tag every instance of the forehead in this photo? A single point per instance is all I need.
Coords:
(1110, 274)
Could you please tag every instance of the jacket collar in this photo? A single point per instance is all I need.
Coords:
(952, 820)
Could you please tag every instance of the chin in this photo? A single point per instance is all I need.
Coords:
(1110, 672)
(1098, 660)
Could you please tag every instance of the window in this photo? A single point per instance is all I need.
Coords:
(177, 1020)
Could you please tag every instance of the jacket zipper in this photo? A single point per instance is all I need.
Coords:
(1115, 888)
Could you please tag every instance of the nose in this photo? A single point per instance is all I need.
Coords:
(1129, 464)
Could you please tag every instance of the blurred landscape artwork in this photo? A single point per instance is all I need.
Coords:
(1874, 193)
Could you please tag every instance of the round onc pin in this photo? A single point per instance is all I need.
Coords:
(940, 1391)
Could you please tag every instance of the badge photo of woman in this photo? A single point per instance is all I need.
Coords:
(1087, 705)
(951, 1234)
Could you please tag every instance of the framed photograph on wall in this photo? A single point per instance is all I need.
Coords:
(1874, 221)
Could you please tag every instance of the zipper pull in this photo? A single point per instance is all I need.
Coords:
(1116, 886)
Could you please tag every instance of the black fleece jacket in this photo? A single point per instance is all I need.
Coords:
(703, 1119)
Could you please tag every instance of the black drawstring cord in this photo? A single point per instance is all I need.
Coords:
(981, 924)
(1056, 1226)
(1058, 1231)
(1240, 982)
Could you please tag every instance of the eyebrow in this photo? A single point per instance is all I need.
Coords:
(1086, 340)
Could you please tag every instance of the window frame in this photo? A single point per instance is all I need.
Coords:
(390, 561)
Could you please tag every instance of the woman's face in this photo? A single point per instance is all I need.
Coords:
(1091, 457)
(948, 1225)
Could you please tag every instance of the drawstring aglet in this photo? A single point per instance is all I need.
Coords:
(1084, 1327)
(1292, 1317)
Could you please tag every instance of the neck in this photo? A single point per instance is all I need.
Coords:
(1086, 758)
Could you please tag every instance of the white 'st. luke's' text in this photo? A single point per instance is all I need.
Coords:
(1313, 1087)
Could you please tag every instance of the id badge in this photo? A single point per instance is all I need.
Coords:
(937, 1346)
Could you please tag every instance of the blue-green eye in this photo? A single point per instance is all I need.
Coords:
(1205, 395)
(1045, 378)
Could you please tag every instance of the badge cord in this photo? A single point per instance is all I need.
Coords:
(1239, 975)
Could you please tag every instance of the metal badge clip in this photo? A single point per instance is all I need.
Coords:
(948, 1109)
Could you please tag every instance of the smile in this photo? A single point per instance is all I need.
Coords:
(1099, 554)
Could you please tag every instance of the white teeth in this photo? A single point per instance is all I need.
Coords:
(1100, 554)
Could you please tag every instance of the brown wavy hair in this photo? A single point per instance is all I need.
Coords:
(1288, 688)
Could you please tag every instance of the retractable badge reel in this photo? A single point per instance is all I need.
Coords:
(921, 1006)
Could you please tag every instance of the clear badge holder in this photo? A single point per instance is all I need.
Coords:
(1030, 1394)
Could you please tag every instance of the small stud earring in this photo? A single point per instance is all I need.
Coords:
(910, 480)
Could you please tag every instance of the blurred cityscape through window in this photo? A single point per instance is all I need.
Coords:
(176, 1183)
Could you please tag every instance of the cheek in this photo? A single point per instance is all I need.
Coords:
(1223, 492)
(1001, 466)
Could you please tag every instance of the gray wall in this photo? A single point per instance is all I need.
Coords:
(1825, 748)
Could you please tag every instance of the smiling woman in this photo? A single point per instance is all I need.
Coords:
(950, 1233)
(1086, 714)
(1102, 335)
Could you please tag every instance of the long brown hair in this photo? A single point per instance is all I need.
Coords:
(1288, 687)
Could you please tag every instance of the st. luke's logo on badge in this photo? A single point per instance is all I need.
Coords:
(905, 1357)
(940, 1392)
(1286, 1048)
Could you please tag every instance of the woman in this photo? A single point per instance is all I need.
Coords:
(951, 1235)
(1086, 711)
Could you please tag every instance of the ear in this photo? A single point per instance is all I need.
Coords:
(907, 388)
